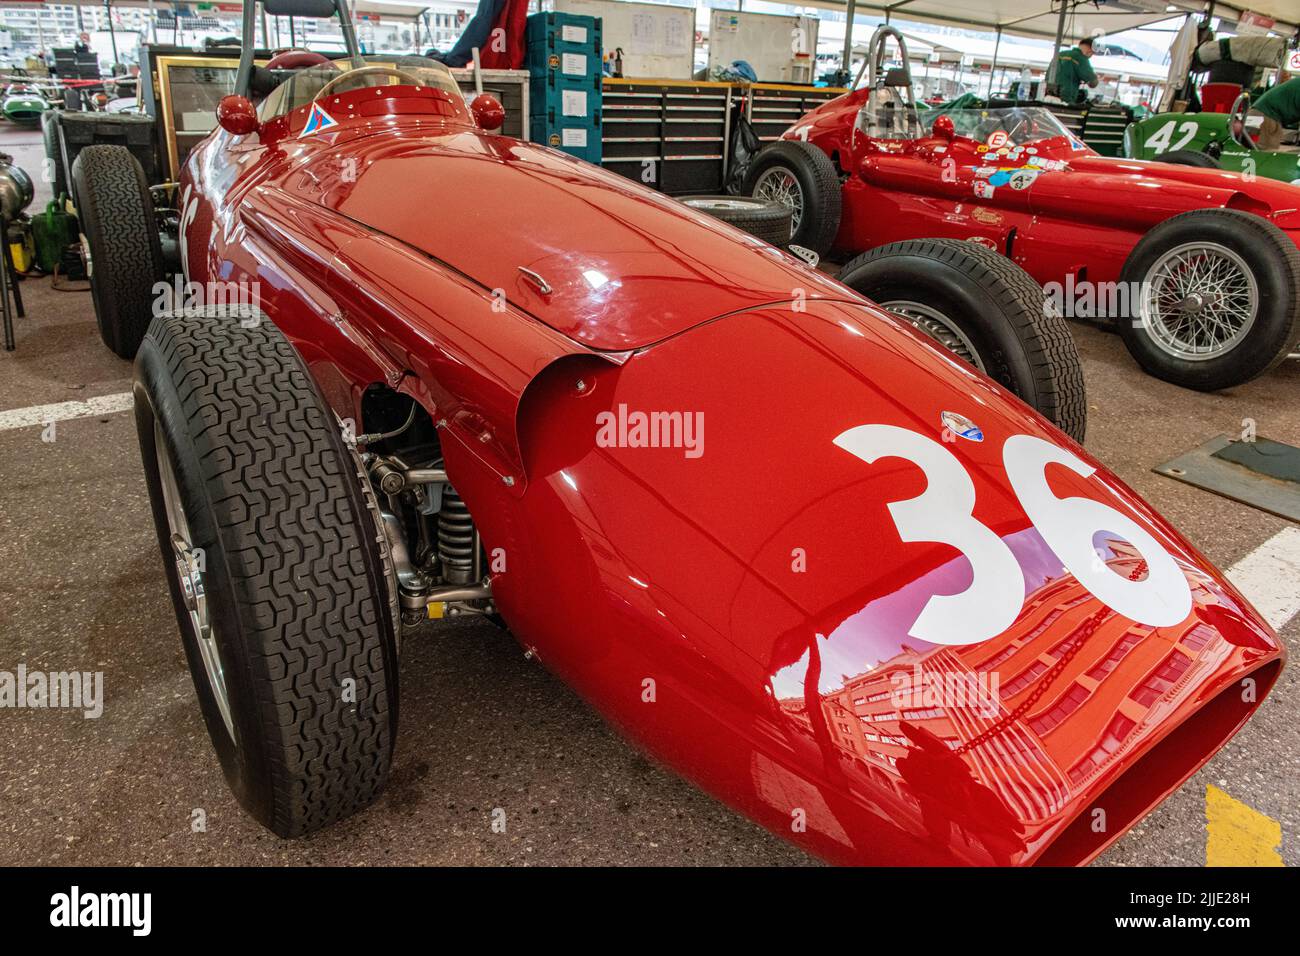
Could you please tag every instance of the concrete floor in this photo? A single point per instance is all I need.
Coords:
(482, 727)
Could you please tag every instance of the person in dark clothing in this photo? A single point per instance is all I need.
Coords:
(1073, 72)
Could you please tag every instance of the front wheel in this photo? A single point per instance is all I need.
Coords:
(276, 567)
(987, 311)
(803, 178)
(1217, 298)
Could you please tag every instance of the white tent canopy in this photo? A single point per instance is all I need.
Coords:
(1040, 18)
(977, 51)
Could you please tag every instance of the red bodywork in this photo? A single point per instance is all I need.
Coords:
(741, 612)
(1079, 221)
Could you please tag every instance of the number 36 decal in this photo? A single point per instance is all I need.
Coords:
(943, 514)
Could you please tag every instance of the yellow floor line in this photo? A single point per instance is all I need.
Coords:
(1238, 835)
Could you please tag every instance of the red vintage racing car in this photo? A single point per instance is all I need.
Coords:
(797, 551)
(1198, 268)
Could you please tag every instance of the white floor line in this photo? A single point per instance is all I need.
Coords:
(63, 411)
(1270, 577)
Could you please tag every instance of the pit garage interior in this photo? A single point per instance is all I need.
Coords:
(486, 731)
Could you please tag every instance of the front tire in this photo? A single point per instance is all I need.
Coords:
(117, 218)
(801, 176)
(985, 309)
(1218, 298)
(275, 568)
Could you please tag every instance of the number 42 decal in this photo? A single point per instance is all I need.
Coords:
(943, 513)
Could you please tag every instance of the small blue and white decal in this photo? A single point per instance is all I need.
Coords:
(317, 121)
(961, 426)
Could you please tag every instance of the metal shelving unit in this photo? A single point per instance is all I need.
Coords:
(773, 108)
(667, 134)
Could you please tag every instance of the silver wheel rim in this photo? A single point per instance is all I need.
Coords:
(722, 204)
(189, 571)
(1199, 301)
(938, 327)
(779, 185)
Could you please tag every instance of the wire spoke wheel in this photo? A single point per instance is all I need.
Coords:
(1199, 301)
(939, 327)
(778, 184)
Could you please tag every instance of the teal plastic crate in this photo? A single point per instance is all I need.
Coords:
(577, 137)
(549, 33)
(563, 95)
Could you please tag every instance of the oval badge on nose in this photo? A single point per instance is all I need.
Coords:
(962, 426)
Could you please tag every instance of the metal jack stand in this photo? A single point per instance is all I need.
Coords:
(9, 286)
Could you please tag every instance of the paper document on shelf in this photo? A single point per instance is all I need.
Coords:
(644, 30)
(677, 38)
(574, 102)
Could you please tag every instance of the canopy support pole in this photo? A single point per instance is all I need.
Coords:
(112, 37)
(993, 67)
(847, 65)
(1050, 78)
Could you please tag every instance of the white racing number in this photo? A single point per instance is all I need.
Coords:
(943, 513)
(1162, 140)
(1161, 599)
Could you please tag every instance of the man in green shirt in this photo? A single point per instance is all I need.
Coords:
(1073, 70)
(1278, 107)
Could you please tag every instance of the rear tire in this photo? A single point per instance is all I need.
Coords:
(987, 310)
(803, 177)
(303, 713)
(1188, 157)
(1258, 263)
(53, 152)
(768, 221)
(117, 219)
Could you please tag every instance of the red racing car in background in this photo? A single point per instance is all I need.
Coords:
(799, 552)
(1199, 268)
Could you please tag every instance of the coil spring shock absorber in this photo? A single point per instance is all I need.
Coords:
(457, 540)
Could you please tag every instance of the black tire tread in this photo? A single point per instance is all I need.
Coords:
(768, 221)
(1060, 394)
(117, 217)
(50, 134)
(826, 185)
(1259, 233)
(285, 498)
(1188, 157)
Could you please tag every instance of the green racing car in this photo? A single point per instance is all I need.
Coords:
(1211, 140)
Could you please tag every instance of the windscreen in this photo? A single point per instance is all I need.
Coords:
(300, 87)
(1027, 125)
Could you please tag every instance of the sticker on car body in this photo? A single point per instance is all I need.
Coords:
(317, 121)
